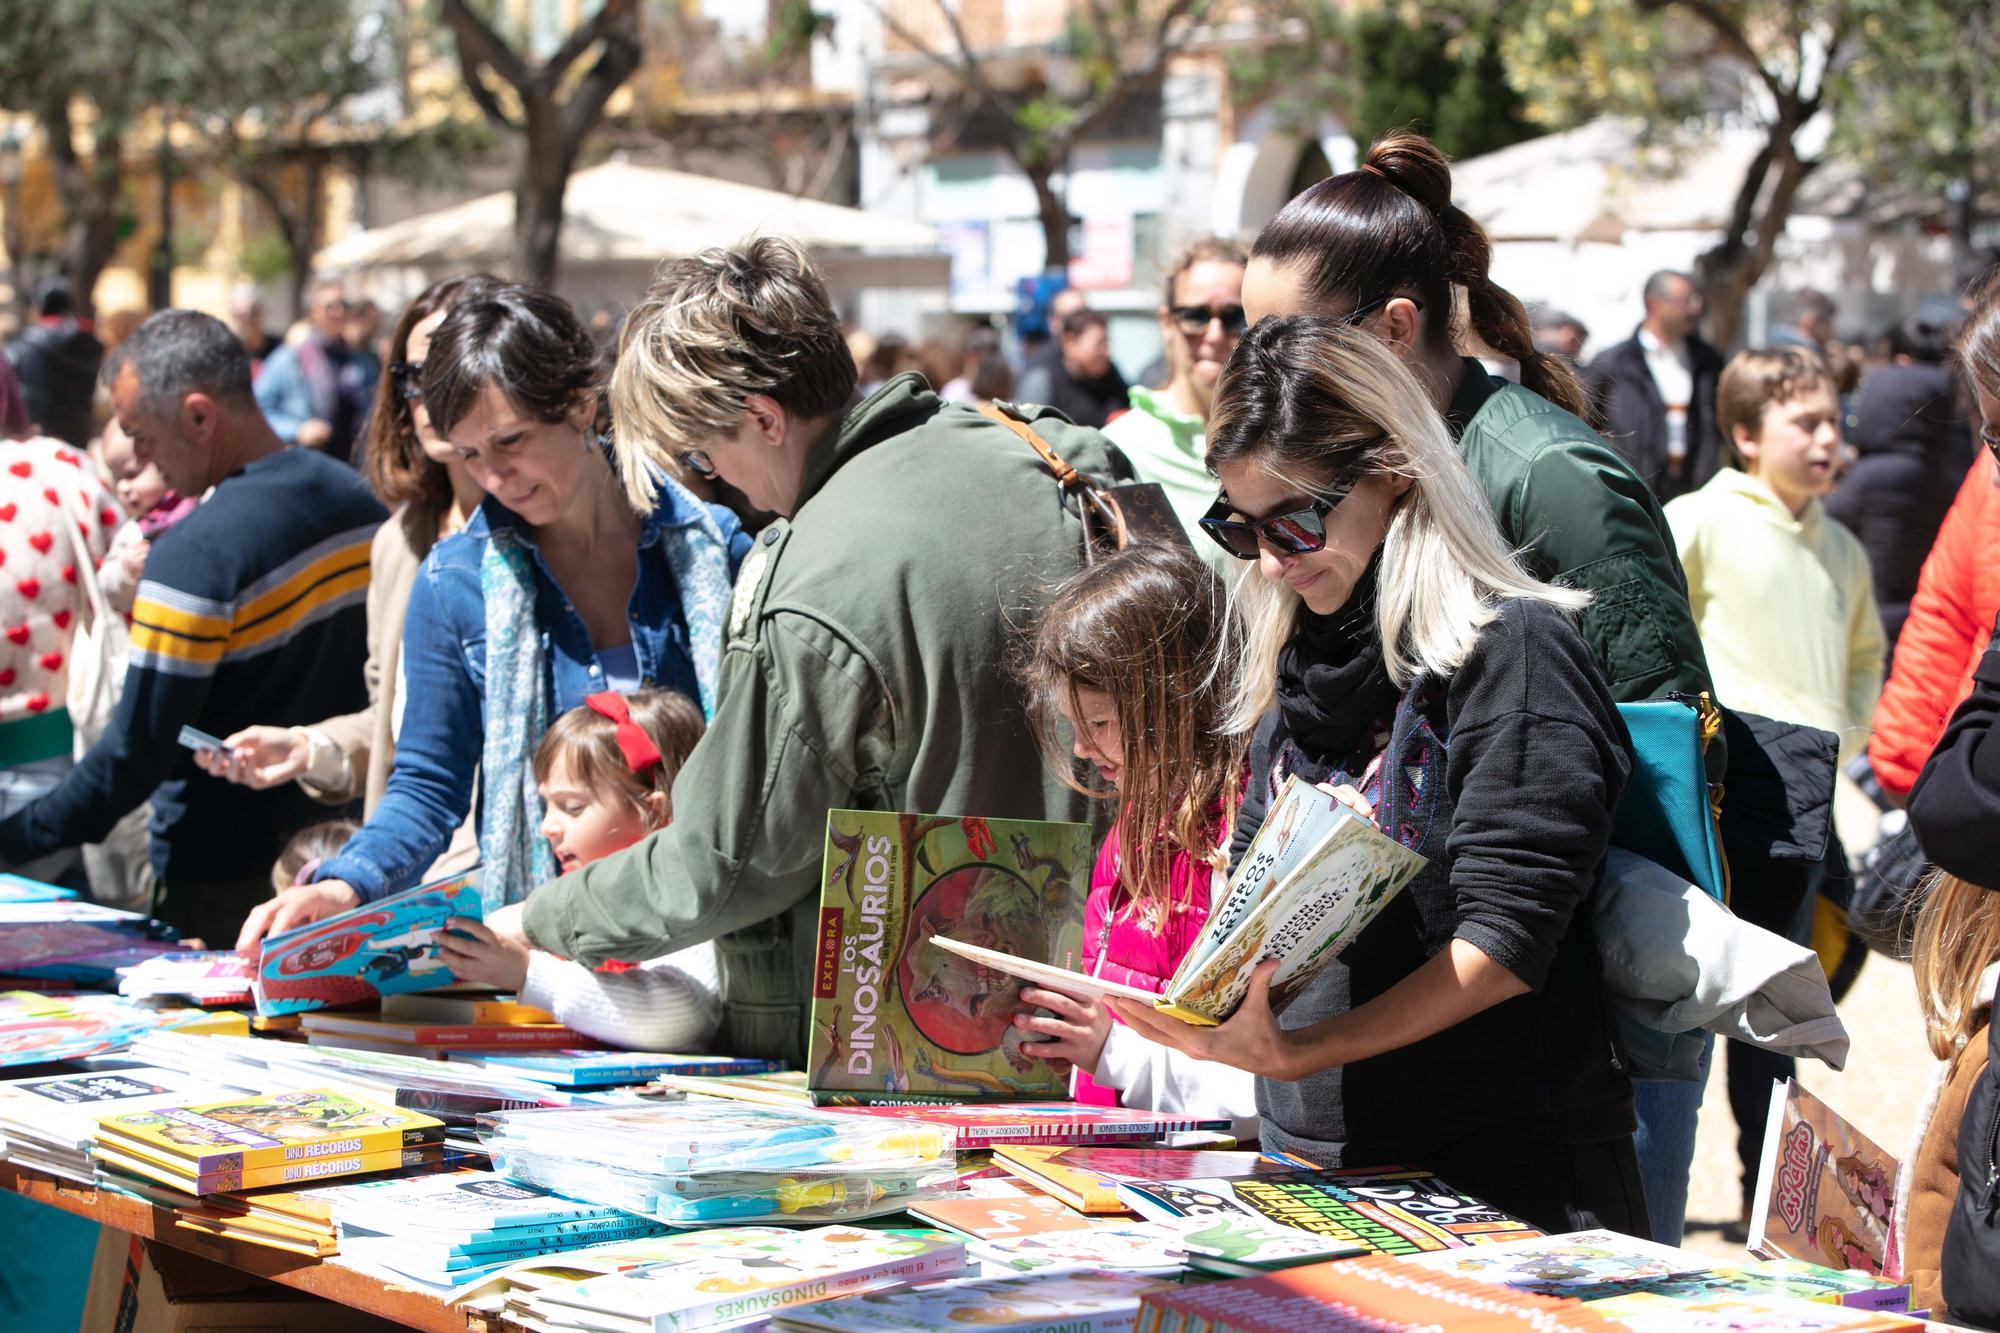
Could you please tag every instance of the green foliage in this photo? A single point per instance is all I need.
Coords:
(266, 258)
(1923, 103)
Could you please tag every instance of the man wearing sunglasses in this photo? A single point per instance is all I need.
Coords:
(1164, 434)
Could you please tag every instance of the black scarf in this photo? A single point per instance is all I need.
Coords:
(1334, 693)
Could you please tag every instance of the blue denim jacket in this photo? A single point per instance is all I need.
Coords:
(444, 680)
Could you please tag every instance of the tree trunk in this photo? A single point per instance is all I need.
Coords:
(538, 199)
(1054, 213)
(301, 232)
(89, 197)
(1735, 264)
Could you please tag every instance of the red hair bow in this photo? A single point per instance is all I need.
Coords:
(633, 742)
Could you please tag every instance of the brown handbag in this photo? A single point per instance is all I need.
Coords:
(1113, 517)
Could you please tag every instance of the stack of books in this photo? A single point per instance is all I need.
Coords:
(50, 1122)
(463, 1003)
(212, 978)
(444, 1230)
(745, 1279)
(708, 1162)
(48, 943)
(37, 1028)
(614, 1069)
(210, 1147)
(985, 1125)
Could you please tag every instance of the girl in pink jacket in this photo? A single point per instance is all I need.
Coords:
(1135, 657)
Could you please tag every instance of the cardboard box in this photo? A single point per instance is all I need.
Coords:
(139, 1286)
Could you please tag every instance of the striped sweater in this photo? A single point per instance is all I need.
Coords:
(251, 611)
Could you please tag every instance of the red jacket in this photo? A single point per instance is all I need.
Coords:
(1951, 619)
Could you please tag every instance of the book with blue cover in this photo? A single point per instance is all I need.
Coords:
(21, 889)
(603, 1069)
(459, 1208)
(380, 948)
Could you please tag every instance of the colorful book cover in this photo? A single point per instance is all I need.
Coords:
(461, 1010)
(1386, 1212)
(598, 1069)
(679, 1138)
(891, 1013)
(1563, 1265)
(1313, 879)
(1825, 1192)
(1001, 1219)
(1068, 1302)
(288, 1127)
(1376, 1293)
(158, 1167)
(760, 1277)
(207, 976)
(36, 1029)
(989, 1125)
(392, 1032)
(1236, 1245)
(544, 1271)
(21, 889)
(1793, 1277)
(788, 1088)
(1152, 1248)
(379, 948)
(65, 1108)
(1087, 1178)
(456, 1206)
(1646, 1312)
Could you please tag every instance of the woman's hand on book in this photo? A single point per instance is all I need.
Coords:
(300, 905)
(1076, 1032)
(1250, 1039)
(1349, 797)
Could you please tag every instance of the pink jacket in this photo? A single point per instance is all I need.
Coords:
(1118, 947)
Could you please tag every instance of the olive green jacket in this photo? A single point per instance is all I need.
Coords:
(1582, 518)
(864, 668)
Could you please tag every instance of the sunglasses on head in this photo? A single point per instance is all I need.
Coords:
(696, 461)
(1193, 320)
(1990, 437)
(409, 379)
(1300, 532)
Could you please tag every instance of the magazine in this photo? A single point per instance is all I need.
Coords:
(379, 948)
(988, 1125)
(1312, 880)
(759, 1277)
(1825, 1192)
(1073, 1302)
(890, 1013)
(1387, 1212)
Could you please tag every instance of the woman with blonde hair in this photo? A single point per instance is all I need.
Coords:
(1399, 655)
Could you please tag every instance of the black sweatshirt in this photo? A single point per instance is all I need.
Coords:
(1535, 760)
(1955, 804)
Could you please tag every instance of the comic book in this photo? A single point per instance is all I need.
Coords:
(1568, 1264)
(379, 948)
(1087, 1178)
(1392, 1212)
(759, 1277)
(891, 1014)
(1825, 1192)
(206, 1137)
(985, 1126)
(1312, 880)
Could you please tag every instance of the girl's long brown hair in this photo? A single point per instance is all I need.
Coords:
(1388, 228)
(1957, 939)
(397, 466)
(1151, 627)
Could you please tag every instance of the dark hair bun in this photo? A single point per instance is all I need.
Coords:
(1415, 166)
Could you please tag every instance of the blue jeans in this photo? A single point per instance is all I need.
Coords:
(1668, 1110)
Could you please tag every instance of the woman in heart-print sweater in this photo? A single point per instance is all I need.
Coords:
(44, 484)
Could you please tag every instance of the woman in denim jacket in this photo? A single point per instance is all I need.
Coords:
(557, 588)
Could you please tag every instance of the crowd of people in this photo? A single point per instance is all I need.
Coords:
(624, 632)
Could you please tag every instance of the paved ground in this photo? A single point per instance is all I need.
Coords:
(1888, 1074)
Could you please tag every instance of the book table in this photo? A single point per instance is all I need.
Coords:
(326, 1278)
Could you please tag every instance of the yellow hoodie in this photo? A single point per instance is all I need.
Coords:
(1785, 606)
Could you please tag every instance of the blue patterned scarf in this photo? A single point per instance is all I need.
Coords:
(516, 856)
(699, 559)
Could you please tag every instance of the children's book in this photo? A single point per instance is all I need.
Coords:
(21, 889)
(1069, 1302)
(1001, 1219)
(602, 1069)
(1391, 1212)
(1238, 1245)
(454, 1208)
(36, 1029)
(379, 948)
(1825, 1193)
(63, 1109)
(461, 1009)
(544, 1271)
(1151, 1248)
(206, 1137)
(164, 1170)
(1816, 1282)
(1563, 1265)
(760, 1277)
(989, 1125)
(1367, 1296)
(892, 1014)
(683, 1138)
(1646, 1312)
(204, 976)
(1087, 1178)
(1312, 880)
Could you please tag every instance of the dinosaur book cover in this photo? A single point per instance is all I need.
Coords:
(892, 1013)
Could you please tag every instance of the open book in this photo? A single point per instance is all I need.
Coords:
(1825, 1193)
(1313, 878)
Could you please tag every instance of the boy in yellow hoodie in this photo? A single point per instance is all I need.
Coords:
(1786, 608)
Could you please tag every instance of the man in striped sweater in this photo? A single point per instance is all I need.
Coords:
(251, 610)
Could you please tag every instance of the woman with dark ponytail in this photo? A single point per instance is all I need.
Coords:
(1383, 248)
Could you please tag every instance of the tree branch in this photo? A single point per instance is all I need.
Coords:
(1731, 34)
(615, 63)
(587, 35)
(480, 49)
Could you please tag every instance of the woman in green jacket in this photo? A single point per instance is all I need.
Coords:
(1384, 249)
